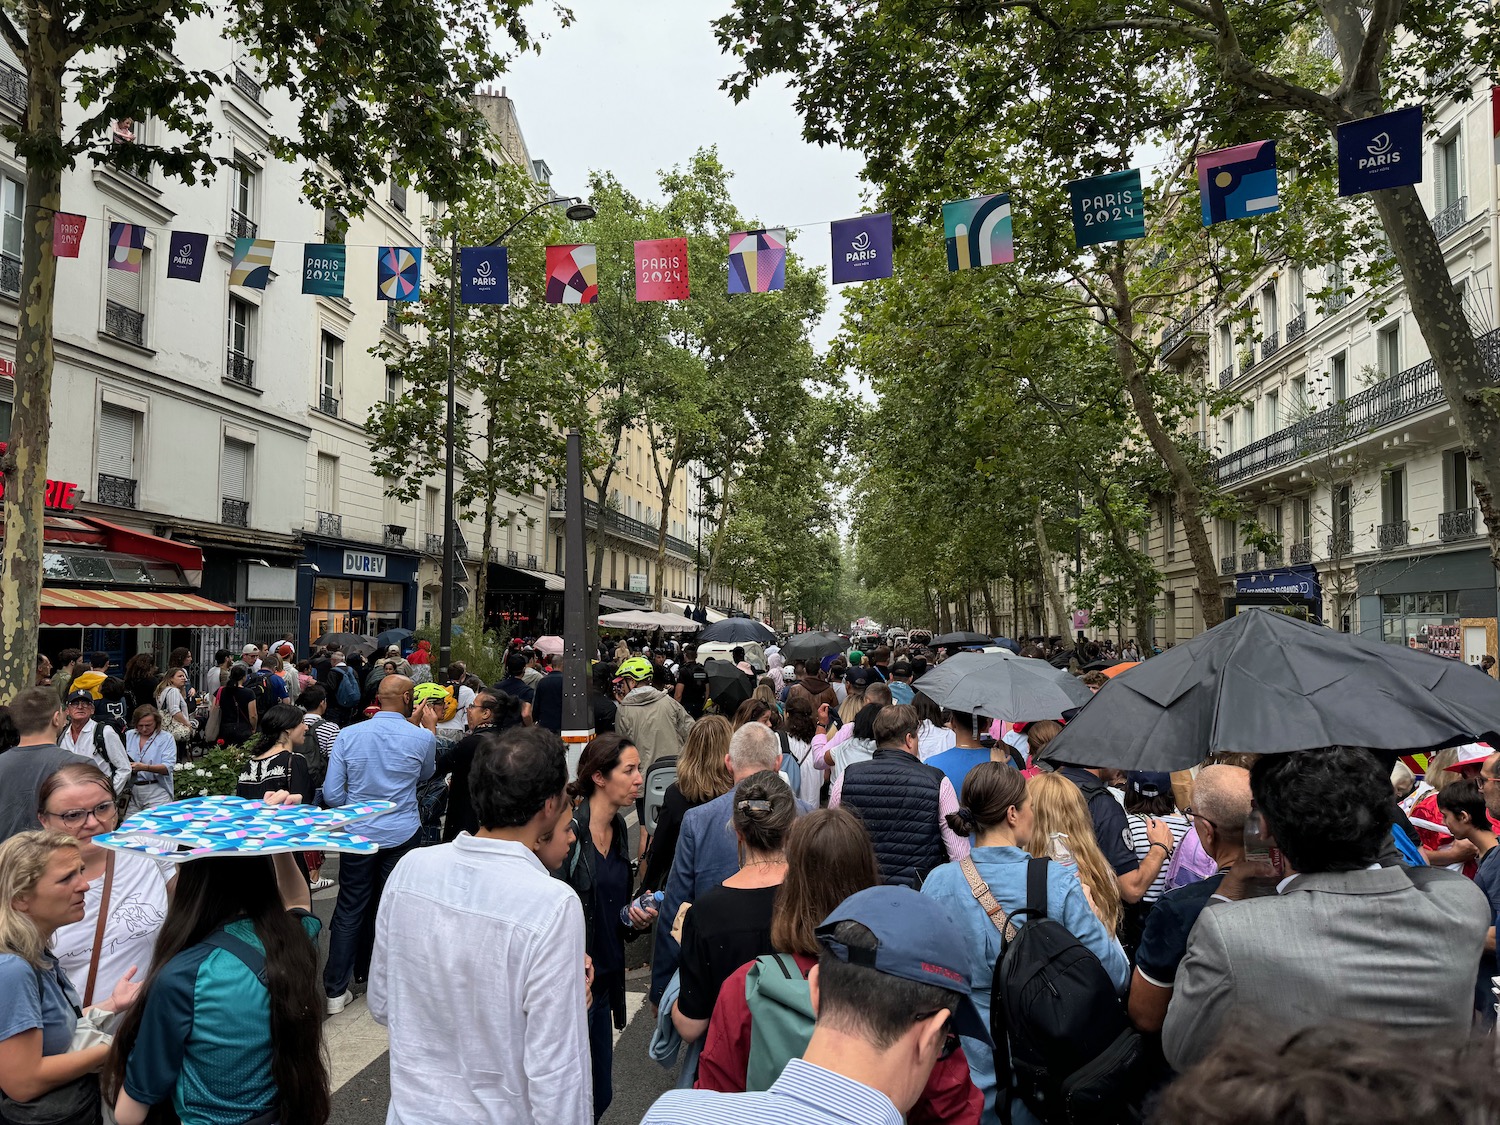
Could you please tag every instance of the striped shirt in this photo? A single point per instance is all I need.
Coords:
(804, 1095)
(1180, 826)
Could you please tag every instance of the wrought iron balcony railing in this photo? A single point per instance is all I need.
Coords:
(246, 84)
(117, 492)
(434, 543)
(13, 86)
(327, 404)
(1226, 564)
(1340, 543)
(1301, 552)
(1249, 560)
(124, 323)
(1270, 345)
(1296, 328)
(1462, 523)
(239, 368)
(1448, 220)
(1389, 536)
(234, 513)
(10, 275)
(330, 523)
(242, 225)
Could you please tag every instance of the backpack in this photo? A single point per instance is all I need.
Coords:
(312, 750)
(346, 695)
(102, 760)
(781, 1018)
(1074, 1057)
(259, 684)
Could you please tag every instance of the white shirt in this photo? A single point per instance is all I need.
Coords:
(933, 740)
(137, 908)
(477, 936)
(458, 723)
(118, 765)
(210, 682)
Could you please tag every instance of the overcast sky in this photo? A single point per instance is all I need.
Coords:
(634, 88)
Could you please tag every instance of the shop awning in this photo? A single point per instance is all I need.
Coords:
(127, 609)
(609, 601)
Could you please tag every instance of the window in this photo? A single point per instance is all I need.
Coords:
(117, 444)
(1447, 162)
(330, 373)
(12, 215)
(1296, 399)
(125, 302)
(1304, 514)
(1388, 350)
(328, 483)
(1270, 318)
(1338, 287)
(1343, 510)
(1338, 377)
(1458, 492)
(1271, 412)
(1247, 423)
(335, 225)
(242, 210)
(1405, 617)
(614, 574)
(1228, 539)
(1226, 347)
(234, 483)
(431, 520)
(392, 384)
(1169, 525)
(1296, 290)
(240, 362)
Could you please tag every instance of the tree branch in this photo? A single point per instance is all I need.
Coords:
(1365, 77)
(98, 32)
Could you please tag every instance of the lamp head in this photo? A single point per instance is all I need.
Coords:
(580, 212)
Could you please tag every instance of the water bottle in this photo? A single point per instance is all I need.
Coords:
(645, 902)
(1057, 848)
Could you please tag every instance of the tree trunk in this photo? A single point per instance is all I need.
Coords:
(1184, 485)
(24, 462)
(945, 616)
(1049, 582)
(596, 577)
(989, 610)
(487, 540)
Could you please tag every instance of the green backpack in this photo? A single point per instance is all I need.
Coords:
(781, 1018)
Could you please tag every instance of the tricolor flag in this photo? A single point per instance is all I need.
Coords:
(127, 242)
(757, 260)
(251, 265)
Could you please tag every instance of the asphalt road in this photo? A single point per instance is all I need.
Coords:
(361, 1068)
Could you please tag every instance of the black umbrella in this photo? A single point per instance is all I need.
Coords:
(348, 642)
(397, 637)
(813, 646)
(959, 640)
(1266, 683)
(998, 687)
(738, 630)
(728, 686)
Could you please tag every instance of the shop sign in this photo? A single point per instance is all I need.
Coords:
(365, 564)
(637, 583)
(59, 495)
(7, 368)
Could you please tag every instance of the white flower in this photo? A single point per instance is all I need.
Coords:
(203, 792)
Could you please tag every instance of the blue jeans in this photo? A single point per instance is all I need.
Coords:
(351, 933)
(602, 1051)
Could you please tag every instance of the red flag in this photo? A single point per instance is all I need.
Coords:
(67, 234)
(661, 269)
(1495, 115)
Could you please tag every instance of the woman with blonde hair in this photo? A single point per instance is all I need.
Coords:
(1062, 818)
(42, 888)
(702, 774)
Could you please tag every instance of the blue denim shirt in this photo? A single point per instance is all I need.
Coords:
(382, 759)
(1004, 870)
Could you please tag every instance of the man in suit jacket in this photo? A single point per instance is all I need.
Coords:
(1343, 938)
(707, 848)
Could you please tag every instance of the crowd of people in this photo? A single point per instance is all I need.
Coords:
(859, 906)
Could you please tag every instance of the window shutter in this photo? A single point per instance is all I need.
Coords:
(124, 287)
(327, 483)
(236, 483)
(117, 442)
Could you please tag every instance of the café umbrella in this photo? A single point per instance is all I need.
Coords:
(1266, 683)
(997, 687)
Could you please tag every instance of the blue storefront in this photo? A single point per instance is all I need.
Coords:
(1294, 590)
(355, 588)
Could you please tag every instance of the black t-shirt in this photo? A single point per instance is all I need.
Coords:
(546, 702)
(1164, 940)
(612, 892)
(234, 707)
(724, 929)
(286, 770)
(517, 687)
(694, 681)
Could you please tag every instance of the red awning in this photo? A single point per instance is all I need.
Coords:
(125, 541)
(127, 609)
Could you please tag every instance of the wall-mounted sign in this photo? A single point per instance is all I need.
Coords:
(637, 584)
(365, 564)
(7, 368)
(59, 495)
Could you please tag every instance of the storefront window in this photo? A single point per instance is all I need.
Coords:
(352, 605)
(1403, 617)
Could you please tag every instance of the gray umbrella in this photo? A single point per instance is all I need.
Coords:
(1266, 683)
(998, 687)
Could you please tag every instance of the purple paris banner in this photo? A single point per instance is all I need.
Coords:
(861, 248)
(185, 255)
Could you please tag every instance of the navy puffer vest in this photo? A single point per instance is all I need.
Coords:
(897, 797)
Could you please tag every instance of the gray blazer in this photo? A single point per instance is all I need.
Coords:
(1394, 946)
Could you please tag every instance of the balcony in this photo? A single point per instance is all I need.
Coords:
(1447, 221)
(327, 404)
(393, 318)
(1275, 558)
(1249, 560)
(513, 558)
(1226, 565)
(434, 543)
(1226, 376)
(124, 323)
(1180, 335)
(239, 368)
(531, 562)
(1410, 392)
(234, 513)
(331, 525)
(1460, 524)
(621, 525)
(242, 225)
(117, 492)
(1301, 552)
(1296, 328)
(1338, 300)
(394, 536)
(1270, 345)
(1340, 543)
(13, 89)
(1389, 536)
(246, 85)
(10, 275)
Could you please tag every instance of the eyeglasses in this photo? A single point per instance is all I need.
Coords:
(1483, 780)
(1189, 812)
(950, 1037)
(102, 812)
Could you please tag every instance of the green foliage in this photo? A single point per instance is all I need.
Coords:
(215, 774)
(481, 650)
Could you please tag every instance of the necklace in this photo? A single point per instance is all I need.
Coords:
(778, 862)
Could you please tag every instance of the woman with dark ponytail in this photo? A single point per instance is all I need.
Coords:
(228, 1026)
(995, 812)
(276, 762)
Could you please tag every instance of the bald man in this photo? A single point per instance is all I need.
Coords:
(381, 759)
(1221, 805)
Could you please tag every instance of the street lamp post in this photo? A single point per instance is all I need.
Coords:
(578, 211)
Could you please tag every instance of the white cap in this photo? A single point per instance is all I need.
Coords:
(1471, 754)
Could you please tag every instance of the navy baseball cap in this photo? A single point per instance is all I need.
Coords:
(1147, 783)
(916, 939)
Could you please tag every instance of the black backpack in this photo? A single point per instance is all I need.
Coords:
(1075, 1058)
(259, 684)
